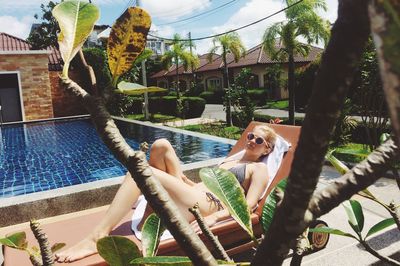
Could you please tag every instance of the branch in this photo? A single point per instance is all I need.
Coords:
(349, 35)
(360, 177)
(385, 27)
(207, 232)
(140, 171)
(372, 251)
(44, 245)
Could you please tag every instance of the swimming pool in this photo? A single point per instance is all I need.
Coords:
(48, 155)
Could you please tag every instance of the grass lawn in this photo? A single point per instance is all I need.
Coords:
(281, 105)
(216, 129)
(155, 118)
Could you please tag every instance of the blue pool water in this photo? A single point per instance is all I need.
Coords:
(48, 155)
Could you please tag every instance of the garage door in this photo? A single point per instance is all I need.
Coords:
(9, 98)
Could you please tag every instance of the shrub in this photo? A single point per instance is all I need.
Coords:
(192, 106)
(258, 96)
(304, 83)
(212, 97)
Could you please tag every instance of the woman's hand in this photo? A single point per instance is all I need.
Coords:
(209, 220)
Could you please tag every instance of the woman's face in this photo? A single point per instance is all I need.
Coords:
(256, 142)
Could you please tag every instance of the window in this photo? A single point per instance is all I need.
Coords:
(214, 83)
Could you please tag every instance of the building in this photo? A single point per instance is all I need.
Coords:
(210, 74)
(158, 46)
(29, 83)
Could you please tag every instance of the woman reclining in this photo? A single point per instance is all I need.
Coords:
(251, 173)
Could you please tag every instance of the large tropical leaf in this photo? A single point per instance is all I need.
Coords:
(332, 231)
(57, 246)
(380, 226)
(117, 250)
(160, 260)
(339, 166)
(129, 88)
(151, 233)
(127, 40)
(225, 186)
(355, 215)
(270, 206)
(176, 261)
(76, 20)
(16, 240)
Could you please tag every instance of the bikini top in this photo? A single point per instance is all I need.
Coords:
(239, 171)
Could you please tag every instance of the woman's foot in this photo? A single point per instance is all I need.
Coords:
(82, 249)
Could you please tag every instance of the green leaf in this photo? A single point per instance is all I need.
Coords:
(355, 214)
(117, 250)
(366, 193)
(380, 226)
(57, 246)
(162, 260)
(16, 240)
(76, 20)
(270, 206)
(224, 185)
(339, 166)
(332, 231)
(127, 41)
(151, 233)
(129, 88)
(384, 137)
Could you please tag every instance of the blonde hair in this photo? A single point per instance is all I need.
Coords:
(268, 134)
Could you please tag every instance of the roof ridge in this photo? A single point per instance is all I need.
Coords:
(15, 37)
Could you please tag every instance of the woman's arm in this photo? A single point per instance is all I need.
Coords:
(258, 183)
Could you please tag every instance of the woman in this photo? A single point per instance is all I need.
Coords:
(249, 170)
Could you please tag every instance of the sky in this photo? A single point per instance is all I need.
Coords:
(17, 16)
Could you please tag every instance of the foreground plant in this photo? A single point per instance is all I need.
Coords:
(127, 40)
(356, 220)
(42, 256)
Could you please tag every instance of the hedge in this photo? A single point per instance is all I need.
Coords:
(193, 106)
(212, 97)
(258, 96)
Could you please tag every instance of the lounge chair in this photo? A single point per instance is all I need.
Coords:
(232, 237)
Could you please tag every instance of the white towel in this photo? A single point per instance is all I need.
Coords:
(273, 161)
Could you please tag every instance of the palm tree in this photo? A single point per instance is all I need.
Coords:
(178, 55)
(280, 40)
(227, 43)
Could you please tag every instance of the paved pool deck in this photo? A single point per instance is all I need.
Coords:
(340, 250)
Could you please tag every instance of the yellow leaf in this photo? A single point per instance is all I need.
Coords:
(127, 40)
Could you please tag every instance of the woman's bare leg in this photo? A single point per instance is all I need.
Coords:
(163, 157)
(126, 196)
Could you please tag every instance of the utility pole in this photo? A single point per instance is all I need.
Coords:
(144, 79)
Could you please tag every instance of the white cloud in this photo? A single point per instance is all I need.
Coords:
(251, 12)
(20, 5)
(171, 10)
(16, 27)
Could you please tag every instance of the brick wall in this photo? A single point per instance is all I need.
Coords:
(35, 83)
(64, 103)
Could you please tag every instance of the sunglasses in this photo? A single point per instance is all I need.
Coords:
(258, 140)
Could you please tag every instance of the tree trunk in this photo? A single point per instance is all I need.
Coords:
(385, 26)
(329, 91)
(291, 89)
(177, 80)
(151, 188)
(228, 91)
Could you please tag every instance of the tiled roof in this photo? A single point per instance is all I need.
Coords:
(12, 43)
(254, 56)
(172, 70)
